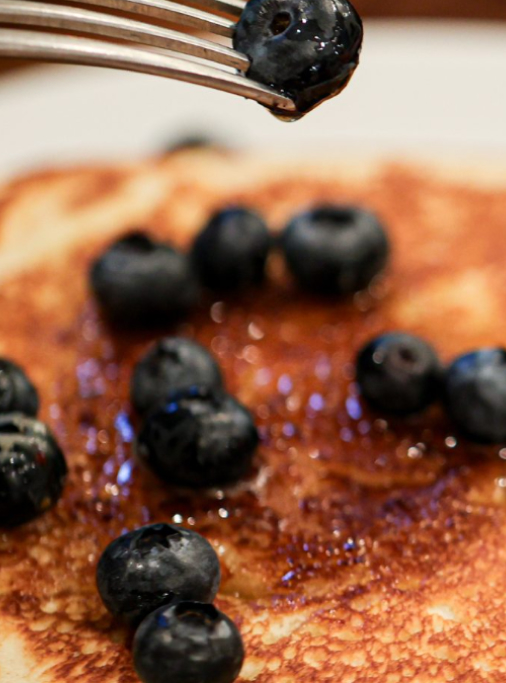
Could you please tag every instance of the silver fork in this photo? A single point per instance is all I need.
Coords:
(215, 16)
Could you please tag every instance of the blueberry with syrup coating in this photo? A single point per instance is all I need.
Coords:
(140, 282)
(154, 566)
(201, 438)
(475, 394)
(32, 469)
(17, 393)
(171, 365)
(307, 49)
(188, 642)
(399, 373)
(231, 251)
(335, 249)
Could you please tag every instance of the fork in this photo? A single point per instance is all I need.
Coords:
(217, 65)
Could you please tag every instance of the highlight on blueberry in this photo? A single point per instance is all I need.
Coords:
(231, 251)
(154, 566)
(335, 249)
(307, 49)
(201, 438)
(399, 373)
(171, 365)
(17, 393)
(32, 469)
(140, 282)
(188, 642)
(475, 394)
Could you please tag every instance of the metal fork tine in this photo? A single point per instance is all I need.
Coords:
(59, 48)
(29, 13)
(232, 8)
(169, 11)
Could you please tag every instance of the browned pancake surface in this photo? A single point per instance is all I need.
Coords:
(362, 548)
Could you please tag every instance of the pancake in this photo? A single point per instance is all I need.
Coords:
(362, 548)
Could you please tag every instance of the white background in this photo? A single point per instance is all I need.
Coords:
(436, 88)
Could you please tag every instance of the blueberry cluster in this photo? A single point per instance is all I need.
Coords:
(162, 579)
(401, 374)
(333, 250)
(140, 282)
(32, 466)
(193, 433)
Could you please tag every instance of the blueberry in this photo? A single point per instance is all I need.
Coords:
(32, 469)
(399, 373)
(143, 283)
(153, 566)
(475, 393)
(201, 438)
(194, 141)
(308, 49)
(171, 365)
(189, 642)
(335, 250)
(17, 393)
(231, 251)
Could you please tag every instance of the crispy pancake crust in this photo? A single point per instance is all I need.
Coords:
(361, 549)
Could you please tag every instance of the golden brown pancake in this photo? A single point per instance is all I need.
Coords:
(362, 549)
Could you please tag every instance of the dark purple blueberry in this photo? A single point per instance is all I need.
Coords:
(475, 393)
(189, 642)
(171, 365)
(308, 49)
(195, 141)
(17, 393)
(154, 566)
(399, 373)
(335, 249)
(231, 251)
(201, 438)
(32, 469)
(140, 282)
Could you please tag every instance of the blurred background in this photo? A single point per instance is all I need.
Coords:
(483, 9)
(430, 83)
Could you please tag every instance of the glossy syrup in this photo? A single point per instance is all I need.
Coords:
(343, 504)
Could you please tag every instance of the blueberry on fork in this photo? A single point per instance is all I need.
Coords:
(307, 49)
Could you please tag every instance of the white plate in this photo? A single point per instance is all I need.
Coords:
(436, 88)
